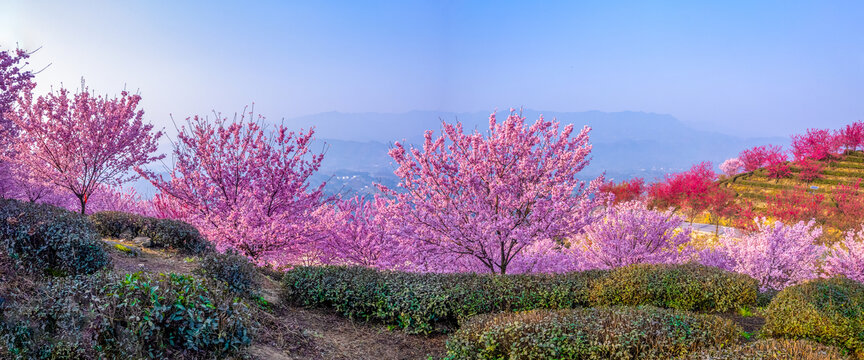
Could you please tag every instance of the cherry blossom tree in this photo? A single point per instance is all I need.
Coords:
(626, 190)
(692, 191)
(796, 204)
(777, 255)
(847, 212)
(355, 232)
(847, 257)
(809, 169)
(852, 135)
(14, 80)
(630, 233)
(124, 200)
(242, 186)
(83, 141)
(732, 167)
(777, 165)
(816, 144)
(757, 157)
(480, 200)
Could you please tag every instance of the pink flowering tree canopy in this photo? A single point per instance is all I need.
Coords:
(776, 255)
(732, 167)
(847, 257)
(356, 232)
(852, 135)
(81, 142)
(482, 199)
(816, 144)
(630, 233)
(244, 187)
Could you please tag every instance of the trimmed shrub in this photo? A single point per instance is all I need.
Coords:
(830, 311)
(162, 232)
(233, 269)
(686, 287)
(50, 238)
(774, 349)
(132, 316)
(595, 333)
(423, 303)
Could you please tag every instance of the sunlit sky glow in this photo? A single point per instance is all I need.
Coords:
(739, 67)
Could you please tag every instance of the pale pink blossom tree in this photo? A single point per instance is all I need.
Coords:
(480, 200)
(14, 80)
(244, 187)
(847, 257)
(630, 233)
(732, 167)
(777, 255)
(124, 200)
(83, 141)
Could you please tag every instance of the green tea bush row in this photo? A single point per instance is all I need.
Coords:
(133, 316)
(830, 311)
(49, 238)
(435, 302)
(162, 232)
(686, 287)
(591, 333)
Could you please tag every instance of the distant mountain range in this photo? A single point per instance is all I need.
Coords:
(626, 144)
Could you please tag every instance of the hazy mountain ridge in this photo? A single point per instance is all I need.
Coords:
(626, 144)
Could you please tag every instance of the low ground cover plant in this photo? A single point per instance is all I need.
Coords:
(50, 239)
(774, 349)
(830, 311)
(591, 333)
(137, 315)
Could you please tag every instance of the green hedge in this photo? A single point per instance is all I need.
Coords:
(436, 302)
(50, 238)
(774, 349)
(423, 303)
(685, 287)
(133, 316)
(162, 232)
(594, 333)
(830, 311)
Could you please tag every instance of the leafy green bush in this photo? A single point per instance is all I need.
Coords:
(117, 224)
(595, 333)
(423, 303)
(774, 349)
(686, 287)
(233, 269)
(132, 316)
(50, 238)
(830, 311)
(162, 232)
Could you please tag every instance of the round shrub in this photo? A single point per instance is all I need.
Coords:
(233, 269)
(590, 333)
(830, 311)
(691, 287)
(162, 232)
(117, 224)
(774, 349)
(132, 316)
(176, 234)
(50, 238)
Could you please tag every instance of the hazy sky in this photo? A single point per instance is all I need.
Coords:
(770, 68)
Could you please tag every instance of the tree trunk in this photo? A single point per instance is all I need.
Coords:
(83, 199)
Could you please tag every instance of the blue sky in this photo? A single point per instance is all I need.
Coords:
(741, 67)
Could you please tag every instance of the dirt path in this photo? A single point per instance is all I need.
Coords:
(290, 332)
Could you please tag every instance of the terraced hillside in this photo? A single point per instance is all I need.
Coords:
(756, 185)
